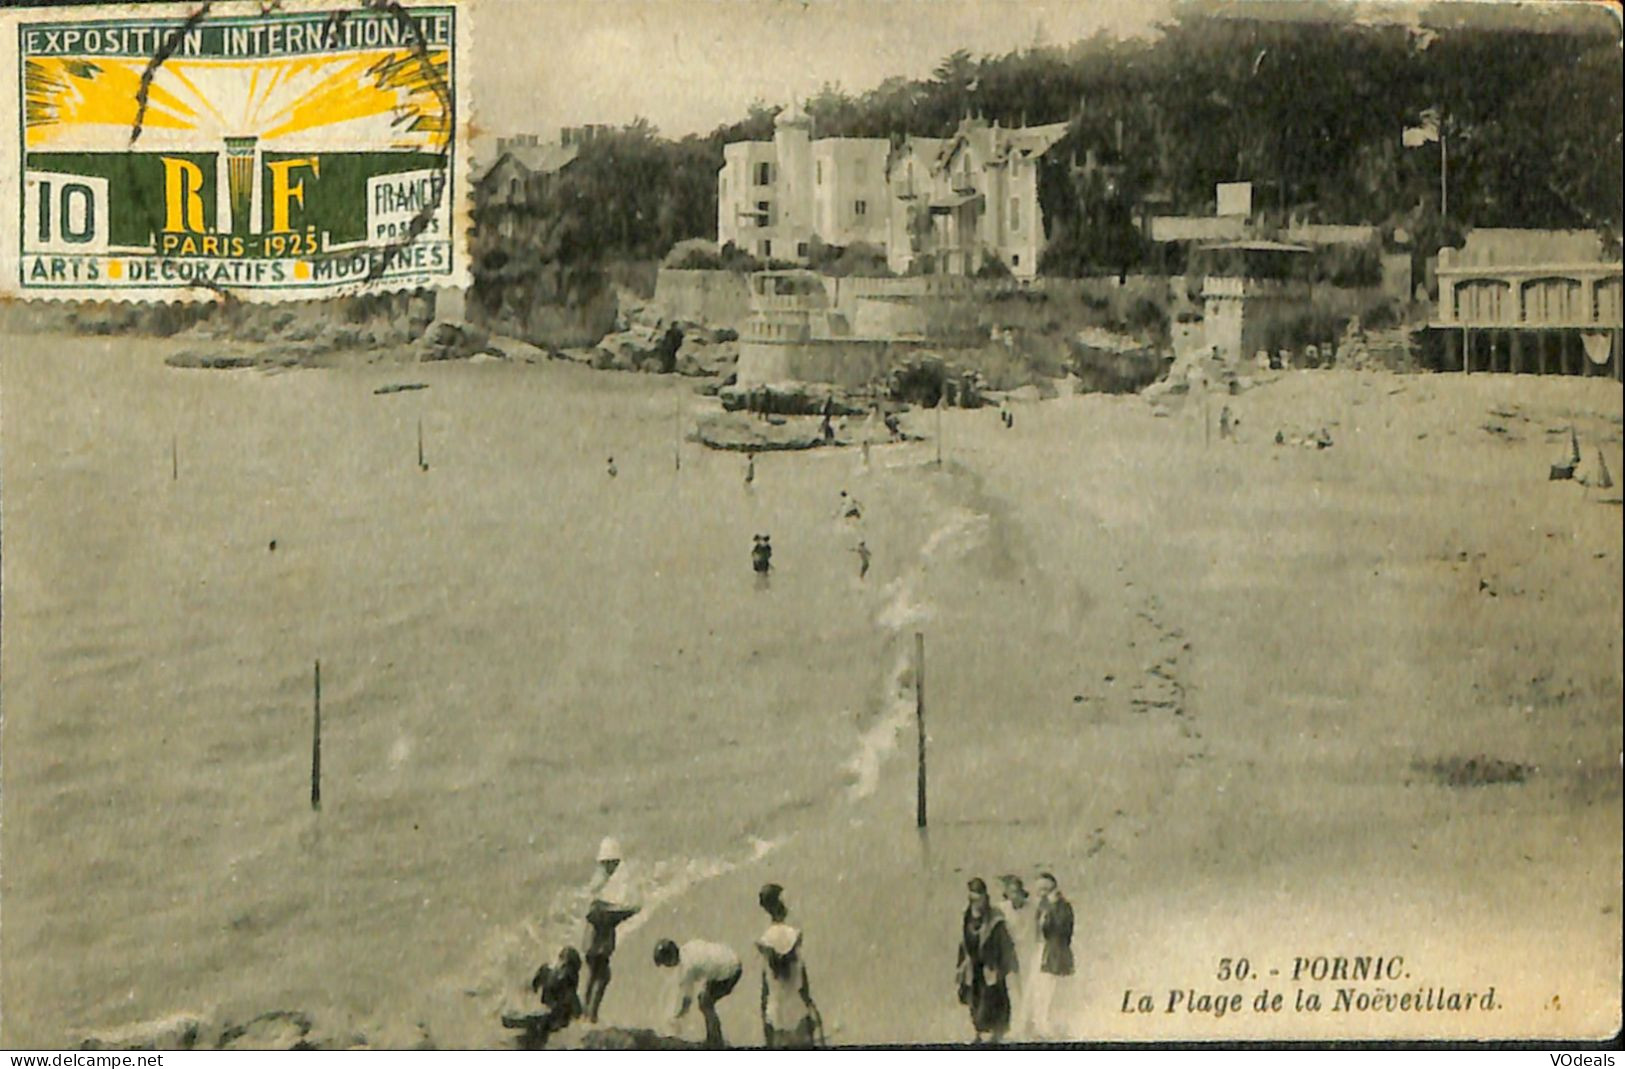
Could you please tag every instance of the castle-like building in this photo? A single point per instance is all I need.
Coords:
(775, 197)
(935, 205)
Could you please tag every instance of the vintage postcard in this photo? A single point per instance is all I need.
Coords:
(158, 152)
(672, 524)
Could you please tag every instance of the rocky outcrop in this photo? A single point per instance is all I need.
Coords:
(699, 358)
(634, 1039)
(1392, 348)
(176, 1032)
(640, 348)
(445, 340)
(651, 344)
(274, 1030)
(791, 399)
(743, 434)
(277, 1030)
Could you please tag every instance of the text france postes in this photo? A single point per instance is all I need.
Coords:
(314, 149)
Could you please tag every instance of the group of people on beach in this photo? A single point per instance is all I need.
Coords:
(703, 973)
(761, 550)
(1014, 958)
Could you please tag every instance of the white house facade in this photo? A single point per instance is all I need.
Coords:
(937, 205)
(774, 198)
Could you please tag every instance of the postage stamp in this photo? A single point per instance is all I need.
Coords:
(271, 151)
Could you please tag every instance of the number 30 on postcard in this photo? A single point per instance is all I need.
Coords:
(272, 152)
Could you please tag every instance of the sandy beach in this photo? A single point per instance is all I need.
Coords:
(1225, 690)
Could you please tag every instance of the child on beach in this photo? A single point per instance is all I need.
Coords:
(704, 974)
(790, 1018)
(555, 985)
(614, 900)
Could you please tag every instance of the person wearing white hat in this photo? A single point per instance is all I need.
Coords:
(613, 901)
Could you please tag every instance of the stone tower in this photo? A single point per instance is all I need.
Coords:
(792, 142)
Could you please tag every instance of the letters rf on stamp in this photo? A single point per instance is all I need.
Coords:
(289, 153)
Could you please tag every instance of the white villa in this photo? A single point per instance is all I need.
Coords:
(936, 205)
(774, 197)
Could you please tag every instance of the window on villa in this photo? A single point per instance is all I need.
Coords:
(1015, 213)
(513, 189)
(1015, 259)
(764, 212)
(860, 207)
(767, 248)
(801, 249)
(764, 174)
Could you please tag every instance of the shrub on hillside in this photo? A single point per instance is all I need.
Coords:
(1350, 266)
(1147, 317)
(857, 260)
(993, 268)
(698, 255)
(1380, 316)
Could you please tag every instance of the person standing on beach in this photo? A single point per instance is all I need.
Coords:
(613, 901)
(705, 974)
(790, 1017)
(1055, 932)
(987, 957)
(761, 559)
(1020, 915)
(750, 470)
(612, 469)
(863, 558)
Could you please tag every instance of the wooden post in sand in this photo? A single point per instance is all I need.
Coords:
(677, 437)
(919, 724)
(421, 465)
(174, 458)
(316, 747)
(941, 395)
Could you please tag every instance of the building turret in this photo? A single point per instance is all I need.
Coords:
(792, 139)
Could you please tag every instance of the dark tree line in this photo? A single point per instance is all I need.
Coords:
(1310, 111)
